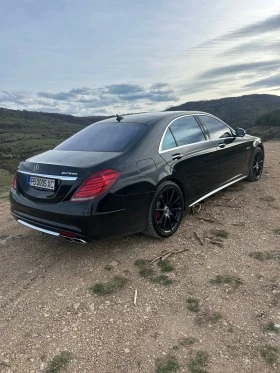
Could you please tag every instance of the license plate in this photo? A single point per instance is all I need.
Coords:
(40, 182)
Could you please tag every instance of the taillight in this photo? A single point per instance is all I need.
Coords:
(95, 185)
(14, 183)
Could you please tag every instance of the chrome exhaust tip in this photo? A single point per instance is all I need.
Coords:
(74, 239)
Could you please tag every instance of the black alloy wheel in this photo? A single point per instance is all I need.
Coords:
(166, 211)
(256, 166)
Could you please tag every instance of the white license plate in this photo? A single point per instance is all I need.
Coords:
(40, 182)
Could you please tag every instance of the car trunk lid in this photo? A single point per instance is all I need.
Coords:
(53, 176)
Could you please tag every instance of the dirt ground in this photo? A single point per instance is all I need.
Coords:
(47, 307)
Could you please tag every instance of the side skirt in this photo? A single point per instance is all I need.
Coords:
(216, 190)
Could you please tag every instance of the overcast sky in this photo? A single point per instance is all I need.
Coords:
(87, 57)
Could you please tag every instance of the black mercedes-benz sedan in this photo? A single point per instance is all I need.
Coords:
(136, 173)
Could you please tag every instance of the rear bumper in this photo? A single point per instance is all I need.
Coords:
(72, 237)
(82, 220)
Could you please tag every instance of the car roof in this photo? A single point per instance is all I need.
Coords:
(152, 117)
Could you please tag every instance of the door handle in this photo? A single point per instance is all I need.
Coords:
(222, 145)
(176, 156)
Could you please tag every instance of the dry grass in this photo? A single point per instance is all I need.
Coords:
(110, 287)
(269, 353)
(165, 265)
(147, 271)
(198, 363)
(270, 327)
(207, 317)
(167, 365)
(59, 362)
(228, 280)
(267, 199)
(193, 305)
(220, 233)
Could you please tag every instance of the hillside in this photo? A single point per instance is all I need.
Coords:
(25, 133)
(237, 111)
(17, 118)
(270, 119)
(267, 126)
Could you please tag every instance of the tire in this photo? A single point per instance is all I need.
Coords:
(166, 211)
(256, 165)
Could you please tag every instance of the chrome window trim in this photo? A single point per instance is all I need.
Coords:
(219, 120)
(217, 190)
(181, 146)
(37, 228)
(66, 178)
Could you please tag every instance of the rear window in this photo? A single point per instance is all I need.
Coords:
(103, 137)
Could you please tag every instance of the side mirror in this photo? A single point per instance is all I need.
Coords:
(240, 132)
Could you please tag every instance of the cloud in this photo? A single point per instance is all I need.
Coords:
(80, 91)
(272, 81)
(73, 93)
(120, 89)
(56, 96)
(268, 25)
(91, 100)
(159, 85)
(18, 98)
(265, 46)
(254, 67)
(113, 94)
(271, 24)
(256, 55)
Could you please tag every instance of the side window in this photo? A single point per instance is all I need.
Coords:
(168, 141)
(186, 131)
(217, 129)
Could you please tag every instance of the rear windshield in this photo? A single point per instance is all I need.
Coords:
(103, 137)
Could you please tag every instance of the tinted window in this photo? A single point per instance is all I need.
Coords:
(168, 141)
(216, 128)
(186, 131)
(102, 137)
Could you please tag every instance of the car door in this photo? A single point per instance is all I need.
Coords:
(232, 150)
(194, 158)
